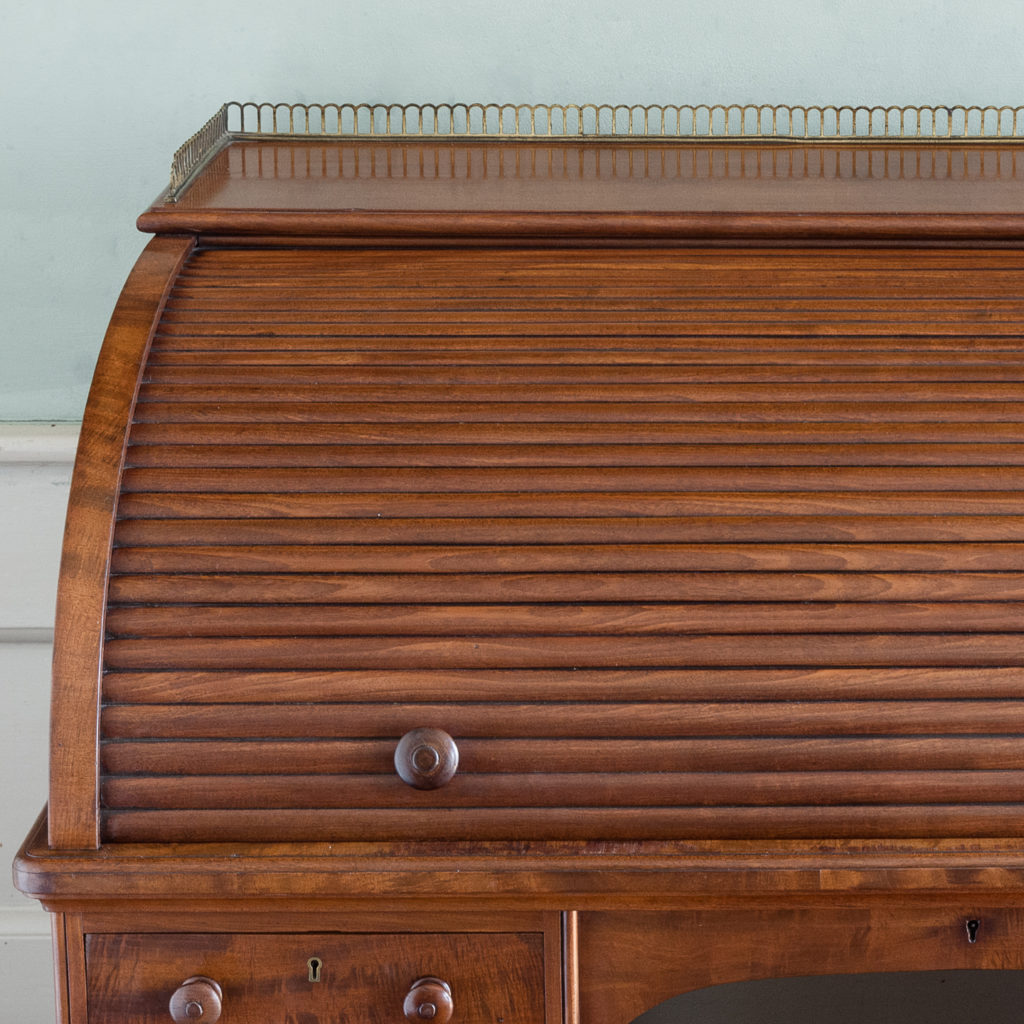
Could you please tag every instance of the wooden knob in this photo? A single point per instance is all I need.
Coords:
(196, 1000)
(429, 999)
(426, 758)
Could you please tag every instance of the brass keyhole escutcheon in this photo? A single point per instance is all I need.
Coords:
(316, 966)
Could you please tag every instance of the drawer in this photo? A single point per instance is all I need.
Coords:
(364, 978)
(633, 961)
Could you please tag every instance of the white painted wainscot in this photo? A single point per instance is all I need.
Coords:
(35, 474)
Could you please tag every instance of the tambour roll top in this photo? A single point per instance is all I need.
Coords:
(650, 491)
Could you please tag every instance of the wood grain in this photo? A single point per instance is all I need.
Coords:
(766, 822)
(361, 477)
(132, 977)
(81, 594)
(886, 752)
(666, 954)
(388, 192)
(679, 484)
(457, 686)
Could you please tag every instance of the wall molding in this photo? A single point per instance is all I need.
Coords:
(36, 461)
(24, 923)
(35, 469)
(25, 635)
(39, 442)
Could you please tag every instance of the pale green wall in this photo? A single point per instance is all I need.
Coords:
(96, 94)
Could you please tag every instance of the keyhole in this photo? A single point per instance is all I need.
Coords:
(972, 930)
(315, 965)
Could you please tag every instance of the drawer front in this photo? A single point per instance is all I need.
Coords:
(363, 978)
(633, 961)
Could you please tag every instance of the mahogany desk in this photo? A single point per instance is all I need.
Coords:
(521, 580)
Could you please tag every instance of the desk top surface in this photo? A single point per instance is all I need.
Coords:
(599, 186)
(605, 175)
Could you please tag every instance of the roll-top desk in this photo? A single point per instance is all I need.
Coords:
(527, 563)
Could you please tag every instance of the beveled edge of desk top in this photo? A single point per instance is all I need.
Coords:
(527, 874)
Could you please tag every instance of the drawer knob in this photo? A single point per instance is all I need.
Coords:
(426, 758)
(196, 999)
(429, 999)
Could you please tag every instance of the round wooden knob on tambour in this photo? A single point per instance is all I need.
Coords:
(426, 758)
(429, 999)
(196, 1000)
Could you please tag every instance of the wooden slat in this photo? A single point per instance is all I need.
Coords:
(527, 757)
(940, 271)
(572, 719)
(310, 431)
(589, 338)
(892, 821)
(979, 273)
(555, 481)
(582, 408)
(655, 558)
(569, 651)
(919, 262)
(594, 318)
(317, 559)
(700, 399)
(780, 529)
(555, 322)
(524, 588)
(550, 620)
(600, 686)
(580, 789)
(584, 505)
(706, 380)
(679, 274)
(303, 299)
(821, 456)
(197, 351)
